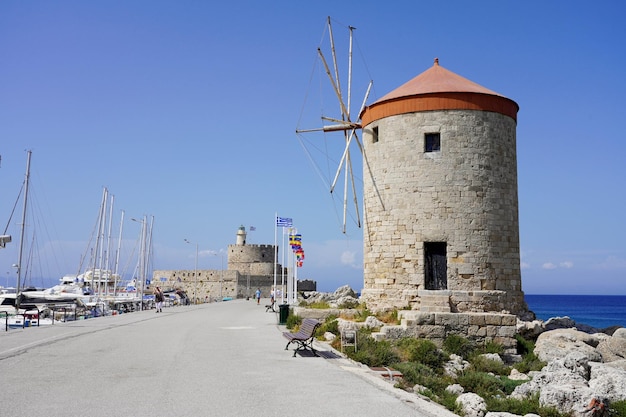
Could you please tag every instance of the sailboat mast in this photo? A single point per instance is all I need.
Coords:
(117, 255)
(107, 260)
(95, 255)
(21, 249)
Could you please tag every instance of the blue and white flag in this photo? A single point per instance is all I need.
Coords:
(284, 222)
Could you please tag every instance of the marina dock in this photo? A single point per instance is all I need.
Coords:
(217, 359)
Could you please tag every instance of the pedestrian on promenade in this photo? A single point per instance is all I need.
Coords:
(258, 295)
(158, 297)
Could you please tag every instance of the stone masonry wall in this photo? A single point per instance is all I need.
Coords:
(477, 327)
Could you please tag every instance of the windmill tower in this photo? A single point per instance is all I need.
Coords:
(441, 230)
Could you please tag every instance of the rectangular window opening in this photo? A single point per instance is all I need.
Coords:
(432, 142)
(375, 134)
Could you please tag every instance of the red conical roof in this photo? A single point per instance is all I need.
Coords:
(439, 89)
(437, 79)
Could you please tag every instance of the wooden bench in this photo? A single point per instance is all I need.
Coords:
(270, 307)
(304, 336)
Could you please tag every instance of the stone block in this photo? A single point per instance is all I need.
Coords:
(477, 319)
(491, 331)
(509, 320)
(506, 331)
(493, 319)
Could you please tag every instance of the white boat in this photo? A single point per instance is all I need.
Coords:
(7, 303)
(28, 319)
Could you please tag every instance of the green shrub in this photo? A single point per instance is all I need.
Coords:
(492, 347)
(349, 304)
(618, 409)
(458, 345)
(423, 351)
(417, 373)
(481, 383)
(510, 384)
(448, 400)
(530, 362)
(388, 317)
(371, 352)
(330, 325)
(320, 305)
(293, 321)
(521, 407)
(362, 315)
(524, 346)
(482, 364)
(414, 372)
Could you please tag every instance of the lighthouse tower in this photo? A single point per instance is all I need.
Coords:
(241, 236)
(441, 230)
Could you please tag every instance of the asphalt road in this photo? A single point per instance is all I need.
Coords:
(219, 359)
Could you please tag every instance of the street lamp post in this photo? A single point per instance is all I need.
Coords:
(195, 275)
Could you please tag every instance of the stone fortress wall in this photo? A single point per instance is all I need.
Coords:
(248, 267)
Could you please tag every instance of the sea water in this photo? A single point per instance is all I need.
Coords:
(599, 311)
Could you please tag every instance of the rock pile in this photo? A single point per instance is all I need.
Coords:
(585, 371)
(343, 297)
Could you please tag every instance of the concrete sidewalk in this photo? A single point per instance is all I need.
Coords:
(219, 359)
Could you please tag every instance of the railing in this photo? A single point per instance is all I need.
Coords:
(27, 313)
(64, 309)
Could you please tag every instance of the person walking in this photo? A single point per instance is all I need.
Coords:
(258, 295)
(158, 297)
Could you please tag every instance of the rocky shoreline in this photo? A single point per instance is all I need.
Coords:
(585, 371)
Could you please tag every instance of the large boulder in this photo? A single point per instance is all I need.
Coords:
(608, 381)
(343, 296)
(558, 343)
(612, 348)
(530, 329)
(561, 384)
(455, 365)
(620, 333)
(472, 405)
(572, 383)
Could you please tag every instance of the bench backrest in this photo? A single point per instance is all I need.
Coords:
(308, 326)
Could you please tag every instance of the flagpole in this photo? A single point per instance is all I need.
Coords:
(275, 249)
(282, 282)
(295, 277)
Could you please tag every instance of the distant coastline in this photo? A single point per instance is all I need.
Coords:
(599, 311)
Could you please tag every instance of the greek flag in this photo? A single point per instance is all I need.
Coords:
(284, 222)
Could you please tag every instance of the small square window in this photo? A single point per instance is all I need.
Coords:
(432, 142)
(375, 134)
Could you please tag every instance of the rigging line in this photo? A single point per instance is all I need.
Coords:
(84, 254)
(306, 95)
(367, 70)
(44, 223)
(333, 198)
(14, 207)
(313, 70)
(312, 161)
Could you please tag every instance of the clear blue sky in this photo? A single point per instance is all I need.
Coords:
(187, 110)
